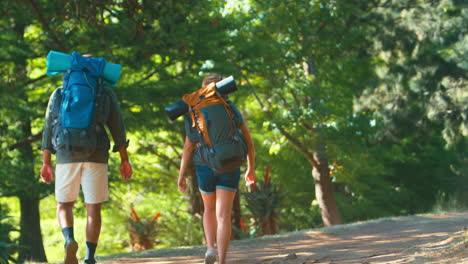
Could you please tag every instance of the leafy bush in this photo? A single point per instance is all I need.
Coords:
(453, 202)
(7, 247)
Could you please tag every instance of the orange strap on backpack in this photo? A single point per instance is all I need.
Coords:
(204, 97)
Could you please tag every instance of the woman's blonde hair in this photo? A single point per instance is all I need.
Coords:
(214, 77)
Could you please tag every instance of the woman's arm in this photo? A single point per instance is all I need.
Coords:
(186, 157)
(250, 174)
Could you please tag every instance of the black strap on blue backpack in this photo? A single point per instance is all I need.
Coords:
(77, 128)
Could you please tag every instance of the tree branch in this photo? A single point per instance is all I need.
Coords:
(152, 150)
(25, 141)
(308, 127)
(45, 24)
(34, 80)
(299, 145)
(6, 12)
(149, 75)
(285, 101)
(102, 32)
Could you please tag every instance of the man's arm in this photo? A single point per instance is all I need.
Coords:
(54, 99)
(117, 129)
(47, 173)
(115, 123)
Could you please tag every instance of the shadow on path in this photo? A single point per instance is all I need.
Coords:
(412, 239)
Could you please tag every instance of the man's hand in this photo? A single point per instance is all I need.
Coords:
(47, 173)
(182, 183)
(126, 170)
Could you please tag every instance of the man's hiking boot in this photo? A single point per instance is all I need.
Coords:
(71, 247)
(89, 261)
(210, 256)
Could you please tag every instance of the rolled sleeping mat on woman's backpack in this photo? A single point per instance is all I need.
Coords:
(58, 62)
(179, 108)
(226, 86)
(176, 109)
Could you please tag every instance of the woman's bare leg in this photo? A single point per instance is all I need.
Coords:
(209, 219)
(224, 200)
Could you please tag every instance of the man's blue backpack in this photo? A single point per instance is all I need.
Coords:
(77, 126)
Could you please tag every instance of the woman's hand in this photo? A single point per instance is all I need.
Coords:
(182, 183)
(249, 177)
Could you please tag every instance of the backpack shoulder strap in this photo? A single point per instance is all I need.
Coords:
(57, 99)
(230, 113)
(196, 98)
(55, 104)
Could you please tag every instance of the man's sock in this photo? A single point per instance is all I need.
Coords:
(68, 234)
(90, 250)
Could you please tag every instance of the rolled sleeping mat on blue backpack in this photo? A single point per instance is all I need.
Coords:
(179, 108)
(58, 62)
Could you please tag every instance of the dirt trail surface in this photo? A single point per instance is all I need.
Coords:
(431, 238)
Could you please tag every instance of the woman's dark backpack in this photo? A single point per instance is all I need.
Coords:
(222, 146)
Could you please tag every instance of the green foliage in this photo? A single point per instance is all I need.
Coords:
(292, 174)
(7, 247)
(450, 203)
(382, 84)
(303, 214)
(265, 204)
(421, 52)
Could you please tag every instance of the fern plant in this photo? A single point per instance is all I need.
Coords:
(142, 232)
(264, 203)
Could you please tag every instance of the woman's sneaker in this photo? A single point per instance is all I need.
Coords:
(210, 256)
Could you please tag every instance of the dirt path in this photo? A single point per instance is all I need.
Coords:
(420, 239)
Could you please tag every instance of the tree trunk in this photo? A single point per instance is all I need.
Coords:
(195, 200)
(317, 158)
(32, 248)
(320, 172)
(269, 226)
(273, 223)
(324, 189)
(30, 239)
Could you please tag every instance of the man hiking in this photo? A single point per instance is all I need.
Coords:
(74, 130)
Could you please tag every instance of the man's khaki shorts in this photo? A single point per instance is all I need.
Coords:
(91, 176)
